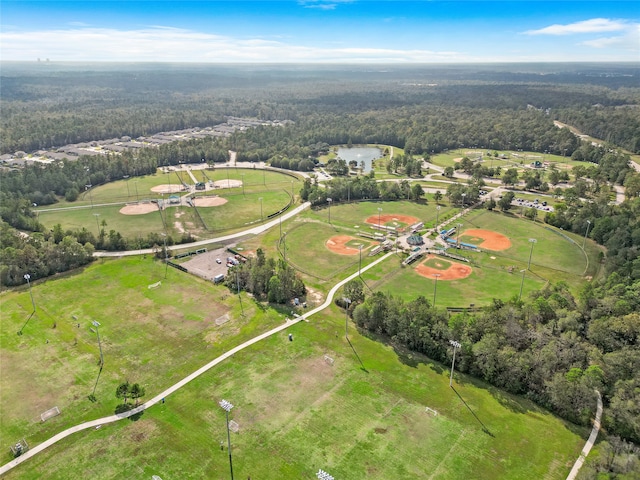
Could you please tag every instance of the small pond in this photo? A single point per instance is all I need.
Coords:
(360, 154)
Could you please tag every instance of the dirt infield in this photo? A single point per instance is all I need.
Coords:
(455, 270)
(139, 209)
(486, 239)
(209, 201)
(337, 244)
(173, 188)
(389, 218)
(227, 183)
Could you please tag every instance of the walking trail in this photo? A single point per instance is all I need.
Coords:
(591, 440)
(158, 398)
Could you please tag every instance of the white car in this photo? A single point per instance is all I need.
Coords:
(218, 260)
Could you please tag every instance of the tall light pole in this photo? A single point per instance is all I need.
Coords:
(379, 210)
(360, 262)
(284, 246)
(97, 223)
(97, 325)
(347, 302)
(166, 255)
(261, 217)
(242, 175)
(88, 188)
(532, 241)
(226, 406)
(435, 286)
(126, 177)
(437, 216)
(27, 277)
(455, 345)
(586, 233)
(521, 283)
(329, 200)
(463, 197)
(458, 234)
(135, 184)
(238, 287)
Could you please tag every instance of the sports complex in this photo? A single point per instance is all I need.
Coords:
(308, 390)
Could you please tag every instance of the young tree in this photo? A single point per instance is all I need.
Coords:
(122, 392)
(136, 392)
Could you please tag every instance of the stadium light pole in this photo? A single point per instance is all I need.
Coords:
(532, 241)
(360, 262)
(96, 324)
(329, 200)
(322, 475)
(27, 277)
(261, 217)
(347, 302)
(284, 246)
(97, 223)
(435, 286)
(239, 296)
(88, 187)
(226, 406)
(521, 283)
(242, 175)
(437, 216)
(455, 345)
(126, 177)
(463, 198)
(379, 210)
(135, 184)
(458, 235)
(166, 255)
(584, 240)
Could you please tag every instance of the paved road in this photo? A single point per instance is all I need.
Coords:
(234, 236)
(158, 398)
(592, 439)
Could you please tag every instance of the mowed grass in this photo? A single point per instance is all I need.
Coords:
(149, 336)
(244, 207)
(551, 251)
(480, 288)
(362, 417)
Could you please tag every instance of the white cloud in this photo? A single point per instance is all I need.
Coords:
(630, 40)
(594, 25)
(160, 43)
(322, 4)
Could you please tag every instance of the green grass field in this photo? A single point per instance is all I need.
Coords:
(496, 274)
(362, 417)
(143, 331)
(244, 206)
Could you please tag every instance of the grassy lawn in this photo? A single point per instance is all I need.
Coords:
(143, 331)
(362, 417)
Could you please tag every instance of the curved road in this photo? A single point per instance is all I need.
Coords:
(252, 231)
(158, 398)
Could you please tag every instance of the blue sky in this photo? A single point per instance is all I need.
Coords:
(320, 31)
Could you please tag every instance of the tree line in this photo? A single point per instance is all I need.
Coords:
(552, 348)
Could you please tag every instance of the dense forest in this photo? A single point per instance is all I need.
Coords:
(54, 105)
(554, 347)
